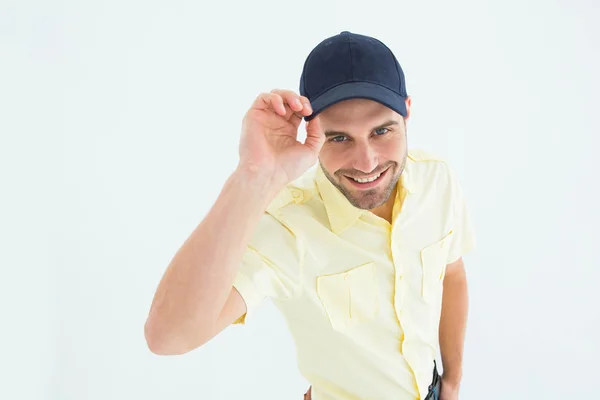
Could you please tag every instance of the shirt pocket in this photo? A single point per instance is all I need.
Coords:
(350, 297)
(433, 263)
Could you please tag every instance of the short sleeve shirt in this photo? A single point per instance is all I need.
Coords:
(361, 297)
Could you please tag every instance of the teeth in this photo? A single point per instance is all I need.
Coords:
(365, 180)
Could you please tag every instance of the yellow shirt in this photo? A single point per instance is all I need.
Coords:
(361, 297)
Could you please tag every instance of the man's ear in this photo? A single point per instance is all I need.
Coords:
(408, 102)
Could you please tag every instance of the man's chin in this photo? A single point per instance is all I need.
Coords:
(367, 201)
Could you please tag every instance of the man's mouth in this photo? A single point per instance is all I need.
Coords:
(369, 181)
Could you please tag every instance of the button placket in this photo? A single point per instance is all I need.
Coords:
(349, 295)
(399, 290)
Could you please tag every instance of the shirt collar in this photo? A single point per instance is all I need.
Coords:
(341, 213)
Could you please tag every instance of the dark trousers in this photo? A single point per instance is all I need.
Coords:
(436, 385)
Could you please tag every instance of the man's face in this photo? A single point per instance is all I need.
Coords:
(365, 150)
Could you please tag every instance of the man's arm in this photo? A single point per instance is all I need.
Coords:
(195, 296)
(453, 323)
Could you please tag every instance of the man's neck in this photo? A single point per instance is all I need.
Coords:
(386, 210)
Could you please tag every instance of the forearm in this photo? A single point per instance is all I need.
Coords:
(199, 278)
(453, 322)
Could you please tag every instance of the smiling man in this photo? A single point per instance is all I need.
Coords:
(356, 239)
(366, 179)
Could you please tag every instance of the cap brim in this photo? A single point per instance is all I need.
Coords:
(358, 90)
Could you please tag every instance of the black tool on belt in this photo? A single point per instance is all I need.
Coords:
(436, 385)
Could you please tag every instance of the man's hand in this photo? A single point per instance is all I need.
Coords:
(307, 394)
(449, 390)
(269, 142)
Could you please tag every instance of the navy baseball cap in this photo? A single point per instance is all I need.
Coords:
(351, 66)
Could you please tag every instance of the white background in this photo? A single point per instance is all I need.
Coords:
(119, 123)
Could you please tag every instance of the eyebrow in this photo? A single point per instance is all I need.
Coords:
(339, 133)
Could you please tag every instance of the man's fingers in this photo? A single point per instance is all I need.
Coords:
(307, 395)
(272, 101)
(290, 98)
(298, 104)
(292, 107)
(295, 119)
(306, 107)
(284, 102)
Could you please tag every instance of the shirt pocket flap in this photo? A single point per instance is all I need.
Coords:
(349, 297)
(433, 263)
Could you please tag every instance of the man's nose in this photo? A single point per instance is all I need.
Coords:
(365, 159)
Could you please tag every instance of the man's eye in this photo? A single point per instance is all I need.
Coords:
(385, 130)
(338, 138)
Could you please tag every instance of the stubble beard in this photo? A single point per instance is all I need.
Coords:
(372, 198)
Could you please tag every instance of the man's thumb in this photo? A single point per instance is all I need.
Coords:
(315, 137)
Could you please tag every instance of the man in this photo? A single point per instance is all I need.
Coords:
(362, 253)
